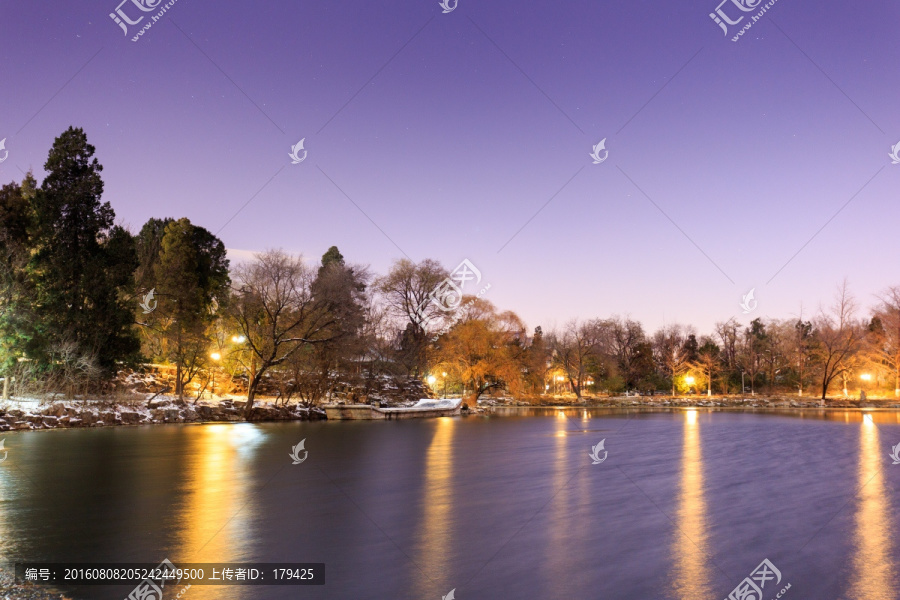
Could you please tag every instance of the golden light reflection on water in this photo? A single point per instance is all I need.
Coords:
(690, 547)
(436, 533)
(560, 509)
(213, 522)
(873, 567)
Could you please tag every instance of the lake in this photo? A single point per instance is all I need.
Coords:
(686, 504)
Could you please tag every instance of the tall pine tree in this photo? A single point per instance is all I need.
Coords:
(82, 267)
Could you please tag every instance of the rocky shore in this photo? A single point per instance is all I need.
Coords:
(10, 590)
(65, 415)
(701, 402)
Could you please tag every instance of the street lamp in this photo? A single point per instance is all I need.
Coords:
(866, 377)
(690, 381)
(216, 357)
(444, 375)
(238, 339)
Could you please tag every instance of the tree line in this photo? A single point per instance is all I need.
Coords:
(81, 298)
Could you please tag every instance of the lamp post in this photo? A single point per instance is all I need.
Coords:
(444, 375)
(866, 377)
(240, 339)
(216, 357)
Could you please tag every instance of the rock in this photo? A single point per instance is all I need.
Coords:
(4, 427)
(159, 403)
(33, 418)
(50, 421)
(15, 412)
(57, 409)
(110, 417)
(21, 425)
(207, 412)
(131, 417)
(88, 418)
(74, 422)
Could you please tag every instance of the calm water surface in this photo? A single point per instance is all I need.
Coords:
(686, 505)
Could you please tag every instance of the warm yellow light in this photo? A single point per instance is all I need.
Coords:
(215, 356)
(431, 379)
(865, 377)
(689, 380)
(560, 378)
(443, 374)
(238, 339)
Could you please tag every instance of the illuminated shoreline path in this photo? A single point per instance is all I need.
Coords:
(692, 578)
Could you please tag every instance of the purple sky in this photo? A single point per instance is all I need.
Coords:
(471, 121)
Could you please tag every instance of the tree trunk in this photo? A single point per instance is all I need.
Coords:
(178, 384)
(252, 385)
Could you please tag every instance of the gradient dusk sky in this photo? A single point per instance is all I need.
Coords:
(467, 135)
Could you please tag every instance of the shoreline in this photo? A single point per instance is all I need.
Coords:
(26, 591)
(79, 414)
(33, 415)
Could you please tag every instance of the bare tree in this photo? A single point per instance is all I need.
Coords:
(838, 338)
(669, 351)
(729, 336)
(575, 350)
(709, 361)
(885, 346)
(625, 338)
(274, 306)
(408, 292)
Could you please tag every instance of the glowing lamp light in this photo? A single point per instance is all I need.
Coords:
(431, 379)
(215, 356)
(866, 377)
